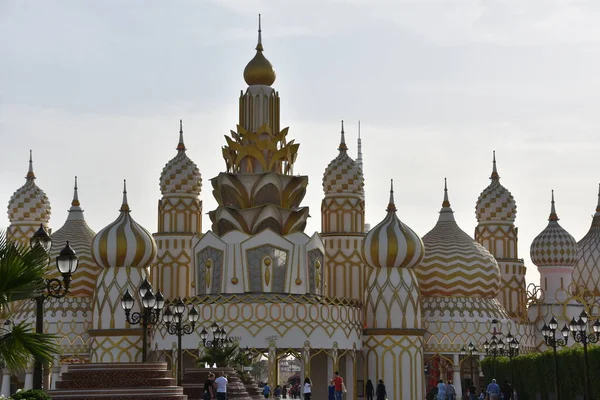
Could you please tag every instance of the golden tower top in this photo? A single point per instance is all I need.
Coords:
(259, 70)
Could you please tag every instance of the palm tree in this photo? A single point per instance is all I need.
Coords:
(22, 272)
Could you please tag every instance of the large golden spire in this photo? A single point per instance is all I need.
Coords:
(259, 70)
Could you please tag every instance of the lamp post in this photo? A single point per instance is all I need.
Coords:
(580, 334)
(549, 332)
(220, 339)
(173, 318)
(151, 306)
(497, 347)
(66, 263)
(470, 351)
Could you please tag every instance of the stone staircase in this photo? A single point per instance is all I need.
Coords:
(118, 381)
(193, 383)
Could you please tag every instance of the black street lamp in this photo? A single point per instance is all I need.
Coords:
(579, 331)
(151, 306)
(220, 339)
(549, 332)
(173, 318)
(497, 347)
(66, 263)
(470, 351)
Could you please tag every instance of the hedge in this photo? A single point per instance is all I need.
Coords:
(533, 373)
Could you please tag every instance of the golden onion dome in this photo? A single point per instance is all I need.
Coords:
(455, 265)
(124, 242)
(586, 274)
(391, 243)
(343, 174)
(554, 246)
(495, 203)
(181, 175)
(259, 70)
(29, 203)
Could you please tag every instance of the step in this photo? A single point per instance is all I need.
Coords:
(166, 393)
(114, 382)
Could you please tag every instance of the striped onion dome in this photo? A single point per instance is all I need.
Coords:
(181, 176)
(495, 203)
(79, 235)
(554, 246)
(343, 174)
(124, 242)
(455, 265)
(391, 243)
(587, 271)
(29, 203)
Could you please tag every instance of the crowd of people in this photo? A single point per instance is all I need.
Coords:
(447, 391)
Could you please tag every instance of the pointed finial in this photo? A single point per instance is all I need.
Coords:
(180, 145)
(30, 174)
(495, 175)
(125, 205)
(553, 216)
(359, 129)
(391, 205)
(75, 202)
(259, 46)
(598, 206)
(343, 146)
(446, 202)
(359, 158)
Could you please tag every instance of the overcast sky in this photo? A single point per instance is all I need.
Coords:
(96, 89)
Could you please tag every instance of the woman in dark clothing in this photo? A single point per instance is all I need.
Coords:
(369, 390)
(381, 393)
(208, 387)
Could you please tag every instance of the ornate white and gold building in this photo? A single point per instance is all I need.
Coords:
(385, 304)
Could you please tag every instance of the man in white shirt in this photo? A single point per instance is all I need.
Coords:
(221, 383)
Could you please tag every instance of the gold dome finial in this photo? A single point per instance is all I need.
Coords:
(446, 202)
(125, 205)
(75, 202)
(259, 70)
(553, 215)
(391, 205)
(343, 146)
(180, 145)
(30, 174)
(495, 175)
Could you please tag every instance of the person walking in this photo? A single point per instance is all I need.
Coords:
(493, 390)
(381, 392)
(507, 390)
(331, 390)
(369, 390)
(450, 391)
(307, 388)
(441, 387)
(266, 390)
(338, 382)
(221, 383)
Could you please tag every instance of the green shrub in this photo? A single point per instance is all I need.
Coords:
(534, 372)
(33, 394)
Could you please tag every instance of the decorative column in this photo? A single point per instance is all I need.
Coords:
(55, 373)
(330, 368)
(273, 364)
(306, 358)
(5, 388)
(456, 378)
(350, 378)
(29, 377)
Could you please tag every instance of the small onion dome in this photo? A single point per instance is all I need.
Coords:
(29, 202)
(181, 176)
(587, 271)
(554, 246)
(495, 203)
(124, 242)
(343, 174)
(259, 70)
(455, 265)
(391, 243)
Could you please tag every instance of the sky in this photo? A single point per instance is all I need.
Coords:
(96, 89)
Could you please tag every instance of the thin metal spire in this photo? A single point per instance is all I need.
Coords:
(495, 175)
(446, 202)
(181, 145)
(30, 174)
(125, 205)
(598, 206)
(75, 202)
(343, 146)
(259, 46)
(359, 157)
(553, 215)
(391, 205)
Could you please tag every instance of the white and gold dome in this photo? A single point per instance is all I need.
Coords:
(554, 246)
(495, 204)
(259, 70)
(391, 243)
(586, 274)
(79, 235)
(124, 242)
(181, 176)
(29, 204)
(343, 175)
(455, 265)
